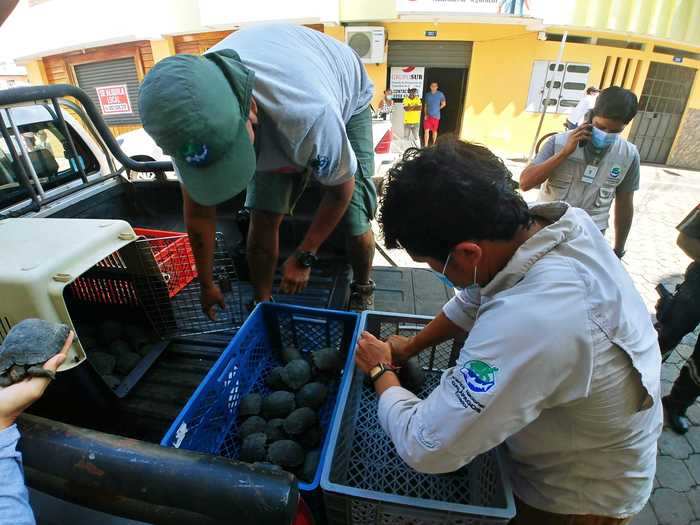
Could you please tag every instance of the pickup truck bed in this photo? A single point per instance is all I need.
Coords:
(149, 408)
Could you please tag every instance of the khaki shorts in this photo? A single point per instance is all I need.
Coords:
(280, 192)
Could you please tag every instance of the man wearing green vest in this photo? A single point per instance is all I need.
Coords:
(593, 165)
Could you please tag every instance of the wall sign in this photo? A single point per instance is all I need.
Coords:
(678, 60)
(404, 78)
(432, 34)
(114, 100)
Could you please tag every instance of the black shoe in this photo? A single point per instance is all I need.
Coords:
(675, 416)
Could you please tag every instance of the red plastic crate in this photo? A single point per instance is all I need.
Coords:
(173, 253)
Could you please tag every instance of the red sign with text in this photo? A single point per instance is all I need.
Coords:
(114, 100)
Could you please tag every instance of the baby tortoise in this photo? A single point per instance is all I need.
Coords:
(28, 345)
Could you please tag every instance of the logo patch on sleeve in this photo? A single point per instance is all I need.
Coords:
(479, 376)
(320, 164)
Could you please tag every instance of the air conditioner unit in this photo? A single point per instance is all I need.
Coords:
(368, 42)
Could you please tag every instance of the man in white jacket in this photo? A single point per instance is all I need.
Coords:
(561, 361)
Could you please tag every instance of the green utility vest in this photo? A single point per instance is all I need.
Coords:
(596, 195)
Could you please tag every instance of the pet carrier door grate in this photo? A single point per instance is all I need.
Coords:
(157, 272)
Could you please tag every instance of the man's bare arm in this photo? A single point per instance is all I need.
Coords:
(201, 227)
(624, 212)
(334, 202)
(535, 174)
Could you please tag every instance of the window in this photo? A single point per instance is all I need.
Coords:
(568, 84)
(676, 52)
(609, 42)
(570, 39)
(48, 152)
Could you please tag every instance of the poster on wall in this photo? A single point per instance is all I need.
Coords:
(404, 78)
(114, 100)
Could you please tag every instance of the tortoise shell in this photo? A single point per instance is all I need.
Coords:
(32, 342)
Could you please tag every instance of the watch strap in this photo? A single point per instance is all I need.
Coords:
(306, 259)
(379, 370)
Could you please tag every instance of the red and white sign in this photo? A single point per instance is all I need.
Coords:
(114, 100)
(404, 78)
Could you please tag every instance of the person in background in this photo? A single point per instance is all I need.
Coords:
(434, 101)
(593, 165)
(386, 105)
(15, 399)
(412, 106)
(579, 113)
(513, 7)
(561, 360)
(678, 316)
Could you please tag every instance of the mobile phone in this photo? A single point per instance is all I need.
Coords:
(589, 121)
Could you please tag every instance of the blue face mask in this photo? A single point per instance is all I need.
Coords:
(600, 139)
(446, 280)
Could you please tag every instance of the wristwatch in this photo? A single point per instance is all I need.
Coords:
(306, 259)
(378, 371)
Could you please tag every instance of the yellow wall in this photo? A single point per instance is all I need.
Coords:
(162, 48)
(499, 76)
(497, 96)
(676, 20)
(499, 80)
(36, 73)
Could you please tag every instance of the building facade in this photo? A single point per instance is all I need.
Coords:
(495, 60)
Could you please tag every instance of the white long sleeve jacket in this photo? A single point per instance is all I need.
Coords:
(561, 363)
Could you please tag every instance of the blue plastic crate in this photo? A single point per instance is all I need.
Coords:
(209, 421)
(365, 482)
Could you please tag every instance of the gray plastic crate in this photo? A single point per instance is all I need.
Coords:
(364, 480)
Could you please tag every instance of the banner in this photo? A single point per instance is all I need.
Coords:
(404, 78)
(114, 100)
